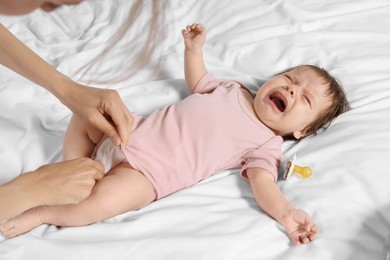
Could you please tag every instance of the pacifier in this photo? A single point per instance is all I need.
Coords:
(304, 172)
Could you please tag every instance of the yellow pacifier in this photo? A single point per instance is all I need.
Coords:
(291, 167)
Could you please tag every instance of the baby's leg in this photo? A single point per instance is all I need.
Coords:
(123, 189)
(80, 139)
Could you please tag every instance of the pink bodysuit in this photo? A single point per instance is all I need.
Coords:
(208, 131)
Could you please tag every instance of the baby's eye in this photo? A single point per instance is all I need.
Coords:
(289, 78)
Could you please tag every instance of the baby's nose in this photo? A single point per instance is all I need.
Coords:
(290, 90)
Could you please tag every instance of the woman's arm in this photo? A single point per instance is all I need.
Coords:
(93, 105)
(19, 58)
(70, 181)
(299, 226)
(53, 184)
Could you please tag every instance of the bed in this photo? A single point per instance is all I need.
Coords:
(349, 193)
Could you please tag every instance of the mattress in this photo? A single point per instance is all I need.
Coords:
(348, 195)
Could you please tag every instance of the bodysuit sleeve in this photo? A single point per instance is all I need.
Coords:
(267, 157)
(208, 84)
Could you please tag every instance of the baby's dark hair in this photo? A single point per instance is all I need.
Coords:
(337, 95)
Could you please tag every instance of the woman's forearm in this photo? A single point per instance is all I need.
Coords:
(60, 183)
(15, 197)
(21, 59)
(91, 104)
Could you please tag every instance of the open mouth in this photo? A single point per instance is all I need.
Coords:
(279, 101)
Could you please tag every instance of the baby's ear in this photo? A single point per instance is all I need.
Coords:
(299, 134)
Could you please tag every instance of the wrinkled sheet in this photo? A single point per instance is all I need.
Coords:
(348, 194)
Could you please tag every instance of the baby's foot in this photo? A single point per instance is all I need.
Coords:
(22, 224)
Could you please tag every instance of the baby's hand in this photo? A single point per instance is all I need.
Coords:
(194, 36)
(299, 226)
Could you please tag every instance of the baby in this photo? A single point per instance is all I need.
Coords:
(220, 126)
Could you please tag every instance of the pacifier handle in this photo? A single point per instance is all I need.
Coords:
(302, 171)
(305, 171)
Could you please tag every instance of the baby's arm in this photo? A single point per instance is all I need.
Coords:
(194, 37)
(298, 224)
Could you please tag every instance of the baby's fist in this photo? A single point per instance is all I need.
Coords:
(194, 36)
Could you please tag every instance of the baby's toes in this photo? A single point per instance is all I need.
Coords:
(8, 228)
(10, 233)
(9, 224)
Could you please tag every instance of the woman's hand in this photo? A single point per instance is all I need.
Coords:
(66, 182)
(102, 108)
(60, 183)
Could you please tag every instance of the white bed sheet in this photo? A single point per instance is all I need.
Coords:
(348, 195)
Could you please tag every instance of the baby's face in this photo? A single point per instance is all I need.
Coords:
(289, 102)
